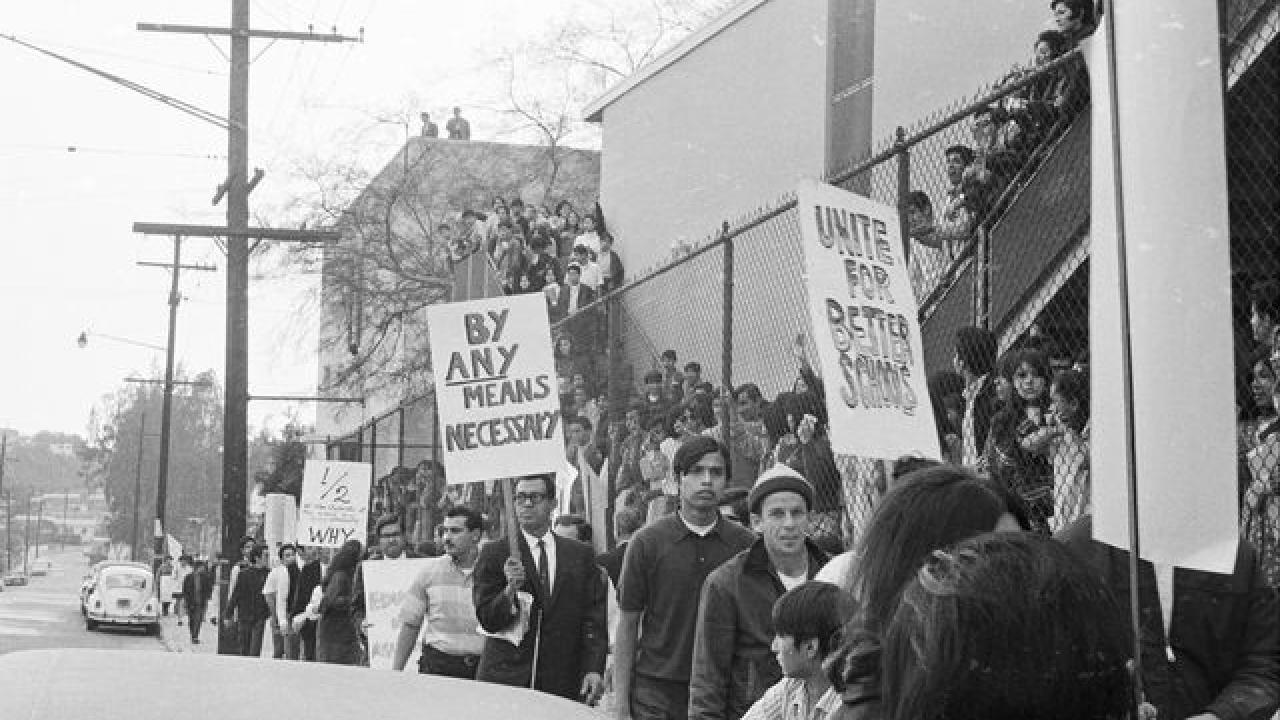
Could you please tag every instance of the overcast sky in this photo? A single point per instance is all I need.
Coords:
(67, 262)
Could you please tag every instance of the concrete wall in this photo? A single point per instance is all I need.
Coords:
(730, 126)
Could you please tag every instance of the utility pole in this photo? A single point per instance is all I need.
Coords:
(166, 406)
(235, 426)
(137, 489)
(39, 520)
(66, 505)
(8, 500)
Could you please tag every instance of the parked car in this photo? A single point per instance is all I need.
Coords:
(91, 579)
(40, 568)
(17, 577)
(134, 684)
(123, 594)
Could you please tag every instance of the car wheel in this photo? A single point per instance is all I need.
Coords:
(90, 624)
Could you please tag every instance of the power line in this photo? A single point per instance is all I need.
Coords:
(88, 149)
(181, 105)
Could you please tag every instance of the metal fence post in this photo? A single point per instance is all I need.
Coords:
(726, 347)
(616, 395)
(903, 154)
(981, 280)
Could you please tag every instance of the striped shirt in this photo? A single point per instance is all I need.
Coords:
(789, 700)
(441, 593)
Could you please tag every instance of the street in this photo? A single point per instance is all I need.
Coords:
(46, 612)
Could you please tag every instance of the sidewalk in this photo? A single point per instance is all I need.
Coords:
(177, 638)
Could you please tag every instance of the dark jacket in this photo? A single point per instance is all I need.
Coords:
(611, 561)
(985, 407)
(309, 577)
(197, 587)
(572, 623)
(733, 663)
(1225, 634)
(246, 600)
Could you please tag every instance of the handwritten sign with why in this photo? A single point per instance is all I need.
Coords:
(335, 502)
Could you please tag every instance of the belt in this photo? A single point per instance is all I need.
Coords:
(468, 660)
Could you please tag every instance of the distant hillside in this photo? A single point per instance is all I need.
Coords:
(44, 462)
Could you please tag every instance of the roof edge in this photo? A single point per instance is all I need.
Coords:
(594, 111)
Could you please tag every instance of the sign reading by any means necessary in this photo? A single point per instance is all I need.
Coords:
(496, 388)
(335, 502)
(865, 325)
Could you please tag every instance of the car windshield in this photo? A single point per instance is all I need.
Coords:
(125, 580)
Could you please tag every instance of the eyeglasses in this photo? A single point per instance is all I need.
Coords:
(530, 498)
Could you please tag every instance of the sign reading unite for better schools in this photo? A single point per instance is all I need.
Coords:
(496, 390)
(335, 502)
(865, 325)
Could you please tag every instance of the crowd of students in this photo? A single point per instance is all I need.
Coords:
(1007, 137)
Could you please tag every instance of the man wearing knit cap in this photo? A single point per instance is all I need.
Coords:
(733, 663)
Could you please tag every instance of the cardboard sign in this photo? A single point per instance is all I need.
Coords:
(1178, 270)
(496, 391)
(865, 325)
(385, 584)
(335, 502)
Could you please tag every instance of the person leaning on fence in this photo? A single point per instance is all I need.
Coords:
(662, 572)
(1260, 504)
(1006, 625)
(975, 356)
(1210, 642)
(1016, 442)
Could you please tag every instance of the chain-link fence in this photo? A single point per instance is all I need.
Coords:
(994, 196)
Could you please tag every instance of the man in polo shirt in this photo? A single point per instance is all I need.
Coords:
(733, 660)
(662, 573)
(441, 594)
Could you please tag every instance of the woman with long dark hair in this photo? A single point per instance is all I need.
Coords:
(928, 510)
(337, 638)
(1006, 626)
(1012, 457)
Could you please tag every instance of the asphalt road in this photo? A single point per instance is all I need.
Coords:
(46, 612)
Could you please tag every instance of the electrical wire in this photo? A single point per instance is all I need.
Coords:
(180, 105)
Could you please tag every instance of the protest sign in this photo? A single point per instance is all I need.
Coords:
(1163, 218)
(385, 585)
(495, 388)
(865, 325)
(335, 502)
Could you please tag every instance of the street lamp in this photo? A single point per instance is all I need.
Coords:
(83, 340)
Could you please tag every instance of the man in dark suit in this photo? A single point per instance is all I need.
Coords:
(197, 588)
(573, 297)
(300, 642)
(567, 616)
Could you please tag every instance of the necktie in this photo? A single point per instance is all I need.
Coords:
(544, 576)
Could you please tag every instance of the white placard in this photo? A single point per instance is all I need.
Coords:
(335, 502)
(385, 585)
(1179, 280)
(865, 325)
(496, 392)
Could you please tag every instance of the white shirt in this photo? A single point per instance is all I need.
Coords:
(591, 276)
(278, 583)
(549, 539)
(972, 453)
(575, 292)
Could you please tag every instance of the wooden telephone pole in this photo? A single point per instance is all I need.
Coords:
(237, 232)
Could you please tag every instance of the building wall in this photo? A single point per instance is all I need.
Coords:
(730, 126)
(929, 54)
